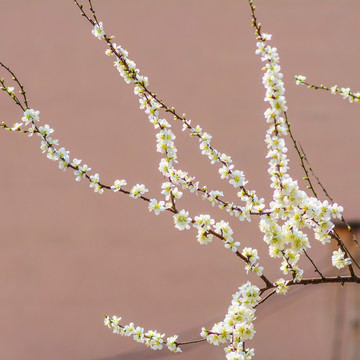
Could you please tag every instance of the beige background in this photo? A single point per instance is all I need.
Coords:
(68, 255)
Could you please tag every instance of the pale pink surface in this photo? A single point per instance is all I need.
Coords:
(68, 255)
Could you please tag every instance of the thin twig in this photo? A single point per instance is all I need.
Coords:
(316, 269)
(265, 298)
(190, 341)
(302, 156)
(334, 89)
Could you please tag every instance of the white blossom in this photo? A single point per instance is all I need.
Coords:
(338, 259)
(182, 220)
(137, 191)
(98, 30)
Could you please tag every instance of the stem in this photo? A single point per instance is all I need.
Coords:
(325, 280)
(302, 156)
(316, 269)
(190, 341)
(265, 298)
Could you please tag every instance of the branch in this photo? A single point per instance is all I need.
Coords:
(316, 269)
(321, 280)
(346, 93)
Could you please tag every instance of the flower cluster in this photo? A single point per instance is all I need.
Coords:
(222, 227)
(237, 327)
(182, 220)
(203, 224)
(281, 286)
(157, 207)
(252, 257)
(207, 227)
(137, 191)
(338, 259)
(290, 204)
(98, 31)
(118, 184)
(150, 338)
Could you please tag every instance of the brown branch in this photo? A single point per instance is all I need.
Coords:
(265, 298)
(324, 280)
(301, 155)
(22, 90)
(190, 341)
(316, 269)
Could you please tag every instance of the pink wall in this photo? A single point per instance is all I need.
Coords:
(69, 255)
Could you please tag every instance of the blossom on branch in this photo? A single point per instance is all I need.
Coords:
(338, 259)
